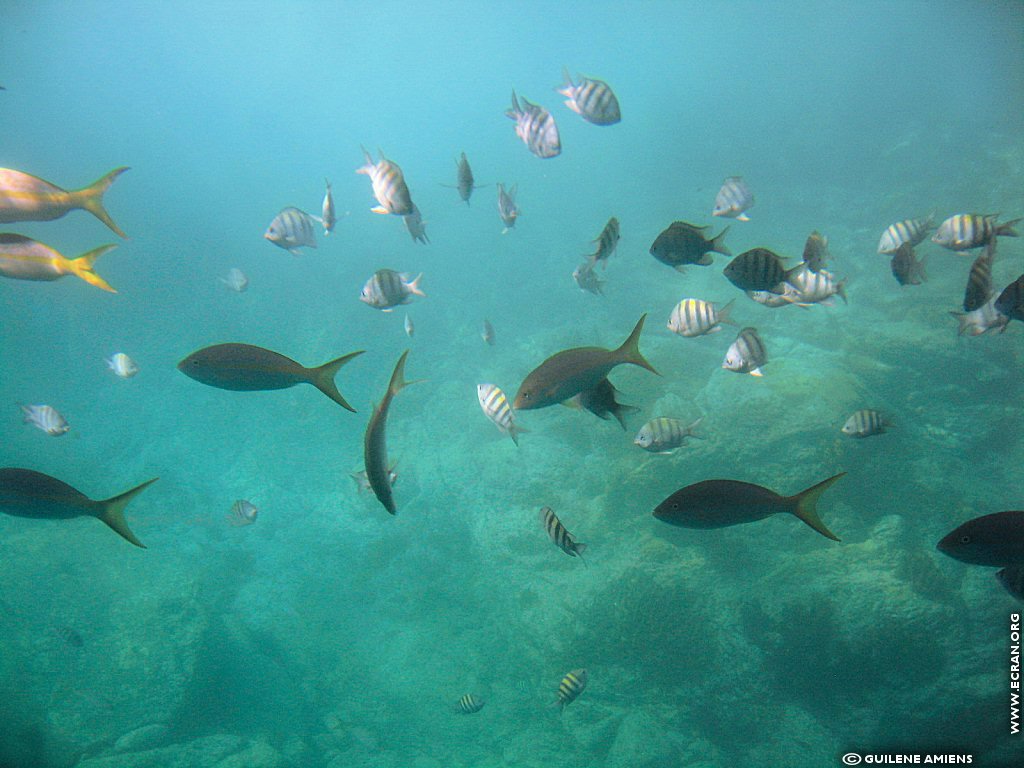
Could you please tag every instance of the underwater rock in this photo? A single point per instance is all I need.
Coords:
(146, 737)
(643, 742)
(206, 752)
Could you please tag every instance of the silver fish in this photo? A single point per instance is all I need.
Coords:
(559, 535)
(235, 280)
(911, 231)
(242, 513)
(586, 278)
(593, 100)
(788, 297)
(497, 408)
(389, 185)
(536, 127)
(328, 217)
(971, 230)
(816, 251)
(747, 354)
(487, 332)
(734, 199)
(664, 435)
(696, 317)
(291, 229)
(864, 423)
(606, 243)
(465, 181)
(46, 418)
(507, 206)
(469, 704)
(815, 287)
(986, 318)
(409, 327)
(416, 226)
(387, 289)
(122, 365)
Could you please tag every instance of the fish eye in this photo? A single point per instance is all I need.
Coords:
(965, 539)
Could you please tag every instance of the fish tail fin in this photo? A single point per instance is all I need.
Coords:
(113, 512)
(620, 412)
(718, 243)
(414, 286)
(322, 378)
(368, 163)
(1006, 229)
(690, 429)
(841, 289)
(805, 506)
(82, 267)
(965, 323)
(514, 111)
(514, 431)
(580, 549)
(629, 352)
(724, 312)
(91, 199)
(920, 269)
(398, 381)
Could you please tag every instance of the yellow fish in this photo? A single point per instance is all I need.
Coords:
(24, 197)
(24, 259)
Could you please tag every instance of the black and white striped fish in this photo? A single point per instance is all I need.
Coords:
(416, 226)
(971, 230)
(864, 423)
(235, 280)
(536, 127)
(664, 435)
(388, 289)
(815, 287)
(328, 217)
(562, 538)
(469, 704)
(465, 182)
(905, 268)
(734, 199)
(122, 365)
(911, 231)
(758, 269)
(816, 251)
(507, 206)
(242, 513)
(291, 229)
(571, 687)
(389, 185)
(606, 243)
(497, 408)
(747, 354)
(979, 282)
(46, 418)
(1010, 301)
(586, 278)
(593, 100)
(696, 317)
(487, 332)
(987, 317)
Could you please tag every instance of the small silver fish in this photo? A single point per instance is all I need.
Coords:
(389, 185)
(747, 354)
(469, 704)
(496, 407)
(363, 482)
(291, 229)
(733, 199)
(122, 365)
(593, 100)
(864, 423)
(242, 513)
(536, 127)
(235, 280)
(815, 287)
(328, 217)
(507, 207)
(409, 328)
(664, 435)
(416, 226)
(587, 280)
(911, 231)
(696, 317)
(388, 289)
(487, 332)
(46, 418)
(559, 535)
(788, 297)
(986, 318)
(971, 230)
(606, 243)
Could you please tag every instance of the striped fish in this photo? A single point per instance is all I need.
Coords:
(865, 423)
(606, 243)
(664, 435)
(363, 482)
(388, 289)
(562, 538)
(507, 206)
(469, 704)
(816, 251)
(696, 317)
(291, 229)
(46, 418)
(487, 332)
(734, 199)
(747, 354)
(815, 287)
(465, 182)
(586, 278)
(911, 231)
(536, 127)
(970, 230)
(979, 283)
(328, 216)
(905, 268)
(235, 280)
(122, 365)
(756, 270)
(388, 185)
(571, 687)
(242, 513)
(593, 100)
(416, 226)
(1010, 301)
(24, 197)
(24, 259)
(987, 317)
(496, 407)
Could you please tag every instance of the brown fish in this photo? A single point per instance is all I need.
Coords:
(600, 401)
(24, 197)
(375, 449)
(995, 540)
(720, 503)
(246, 368)
(576, 370)
(27, 493)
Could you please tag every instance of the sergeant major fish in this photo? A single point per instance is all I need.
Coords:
(291, 229)
(905, 268)
(696, 317)
(606, 243)
(122, 365)
(242, 513)
(46, 418)
(24, 259)
(559, 535)
(410, 329)
(911, 231)
(389, 185)
(979, 282)
(865, 423)
(586, 278)
(816, 251)
(758, 269)
(487, 332)
(591, 99)
(747, 354)
(469, 704)
(24, 197)
(985, 318)
(1012, 579)
(388, 289)
(465, 182)
(495, 406)
(375, 450)
(971, 230)
(664, 435)
(734, 199)
(1010, 301)
(507, 207)
(571, 686)
(536, 127)
(815, 287)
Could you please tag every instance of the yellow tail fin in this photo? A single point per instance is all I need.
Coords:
(805, 509)
(113, 512)
(82, 267)
(323, 378)
(91, 199)
(629, 352)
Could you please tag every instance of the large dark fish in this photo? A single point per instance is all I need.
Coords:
(757, 270)
(27, 493)
(1011, 300)
(682, 243)
(375, 449)
(996, 539)
(576, 370)
(246, 368)
(720, 503)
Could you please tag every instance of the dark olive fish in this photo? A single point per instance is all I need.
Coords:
(575, 370)
(600, 401)
(27, 493)
(979, 283)
(1012, 579)
(682, 243)
(720, 503)
(905, 268)
(816, 251)
(246, 368)
(996, 540)
(571, 687)
(375, 450)
(757, 270)
(1011, 301)
(564, 540)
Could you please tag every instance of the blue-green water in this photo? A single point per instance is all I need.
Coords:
(331, 634)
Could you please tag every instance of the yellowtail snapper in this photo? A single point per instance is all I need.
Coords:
(375, 450)
(22, 258)
(24, 197)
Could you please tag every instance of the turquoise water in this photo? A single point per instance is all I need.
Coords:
(331, 634)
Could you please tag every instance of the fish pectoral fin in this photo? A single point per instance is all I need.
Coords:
(380, 209)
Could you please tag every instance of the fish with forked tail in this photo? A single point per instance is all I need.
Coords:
(375, 449)
(24, 197)
(22, 258)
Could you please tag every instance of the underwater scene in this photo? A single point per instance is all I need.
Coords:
(465, 384)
